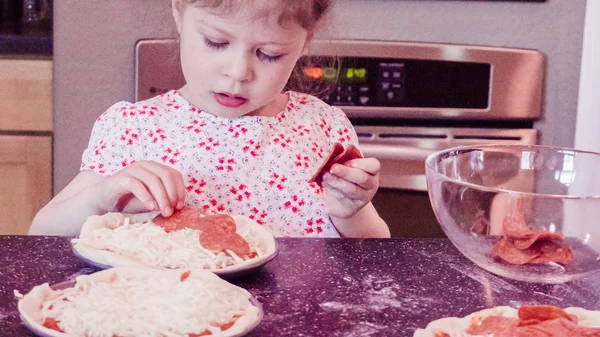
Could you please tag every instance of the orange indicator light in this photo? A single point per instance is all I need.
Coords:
(313, 72)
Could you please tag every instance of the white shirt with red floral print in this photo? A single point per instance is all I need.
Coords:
(252, 165)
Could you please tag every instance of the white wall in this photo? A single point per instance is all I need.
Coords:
(587, 134)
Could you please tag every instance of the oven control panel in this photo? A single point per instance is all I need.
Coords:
(391, 79)
(381, 82)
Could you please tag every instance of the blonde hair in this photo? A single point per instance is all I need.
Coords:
(306, 13)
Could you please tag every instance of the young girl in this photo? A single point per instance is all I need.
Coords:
(229, 141)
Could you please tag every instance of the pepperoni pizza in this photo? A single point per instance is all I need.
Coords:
(188, 239)
(504, 321)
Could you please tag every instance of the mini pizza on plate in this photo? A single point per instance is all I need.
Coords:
(188, 239)
(133, 301)
(526, 321)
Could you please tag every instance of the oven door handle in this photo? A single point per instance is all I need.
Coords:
(394, 152)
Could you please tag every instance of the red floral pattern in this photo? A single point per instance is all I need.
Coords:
(253, 166)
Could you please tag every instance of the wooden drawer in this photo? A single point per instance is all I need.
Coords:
(26, 180)
(25, 95)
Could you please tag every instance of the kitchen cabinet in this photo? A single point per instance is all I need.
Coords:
(26, 95)
(25, 140)
(25, 180)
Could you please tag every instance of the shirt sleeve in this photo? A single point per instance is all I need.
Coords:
(115, 142)
(342, 129)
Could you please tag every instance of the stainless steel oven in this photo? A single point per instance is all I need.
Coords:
(406, 100)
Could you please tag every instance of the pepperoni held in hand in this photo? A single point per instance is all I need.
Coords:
(195, 219)
(181, 219)
(337, 156)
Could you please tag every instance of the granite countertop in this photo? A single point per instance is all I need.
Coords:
(15, 40)
(325, 287)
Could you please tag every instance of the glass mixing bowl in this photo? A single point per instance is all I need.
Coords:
(529, 213)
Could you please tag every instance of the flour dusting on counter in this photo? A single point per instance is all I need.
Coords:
(365, 329)
(379, 294)
(3, 314)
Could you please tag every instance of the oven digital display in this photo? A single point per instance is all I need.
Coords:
(342, 76)
(400, 82)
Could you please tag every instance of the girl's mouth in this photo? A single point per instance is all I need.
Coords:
(229, 100)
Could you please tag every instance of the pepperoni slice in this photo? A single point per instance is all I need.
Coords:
(506, 250)
(180, 219)
(539, 252)
(530, 314)
(530, 238)
(337, 156)
(218, 242)
(534, 321)
(336, 150)
(226, 326)
(195, 219)
(515, 225)
(523, 245)
(51, 323)
(223, 327)
(552, 251)
(558, 327)
(204, 333)
(221, 222)
(350, 153)
(184, 275)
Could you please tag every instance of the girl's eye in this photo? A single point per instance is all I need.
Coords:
(266, 57)
(215, 45)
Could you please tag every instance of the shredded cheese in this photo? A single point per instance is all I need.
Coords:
(129, 306)
(151, 245)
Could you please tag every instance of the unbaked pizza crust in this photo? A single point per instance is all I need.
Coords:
(114, 220)
(456, 326)
(29, 306)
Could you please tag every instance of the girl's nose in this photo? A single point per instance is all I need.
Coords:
(240, 68)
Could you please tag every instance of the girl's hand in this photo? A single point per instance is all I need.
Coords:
(143, 186)
(349, 187)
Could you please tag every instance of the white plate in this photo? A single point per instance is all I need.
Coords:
(225, 273)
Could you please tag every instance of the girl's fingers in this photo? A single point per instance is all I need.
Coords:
(180, 191)
(172, 181)
(134, 205)
(368, 165)
(356, 176)
(345, 187)
(139, 190)
(154, 184)
(334, 192)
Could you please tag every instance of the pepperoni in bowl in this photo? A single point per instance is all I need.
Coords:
(524, 212)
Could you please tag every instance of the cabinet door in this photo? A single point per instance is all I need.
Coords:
(25, 180)
(25, 94)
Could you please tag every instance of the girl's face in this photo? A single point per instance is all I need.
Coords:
(237, 63)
